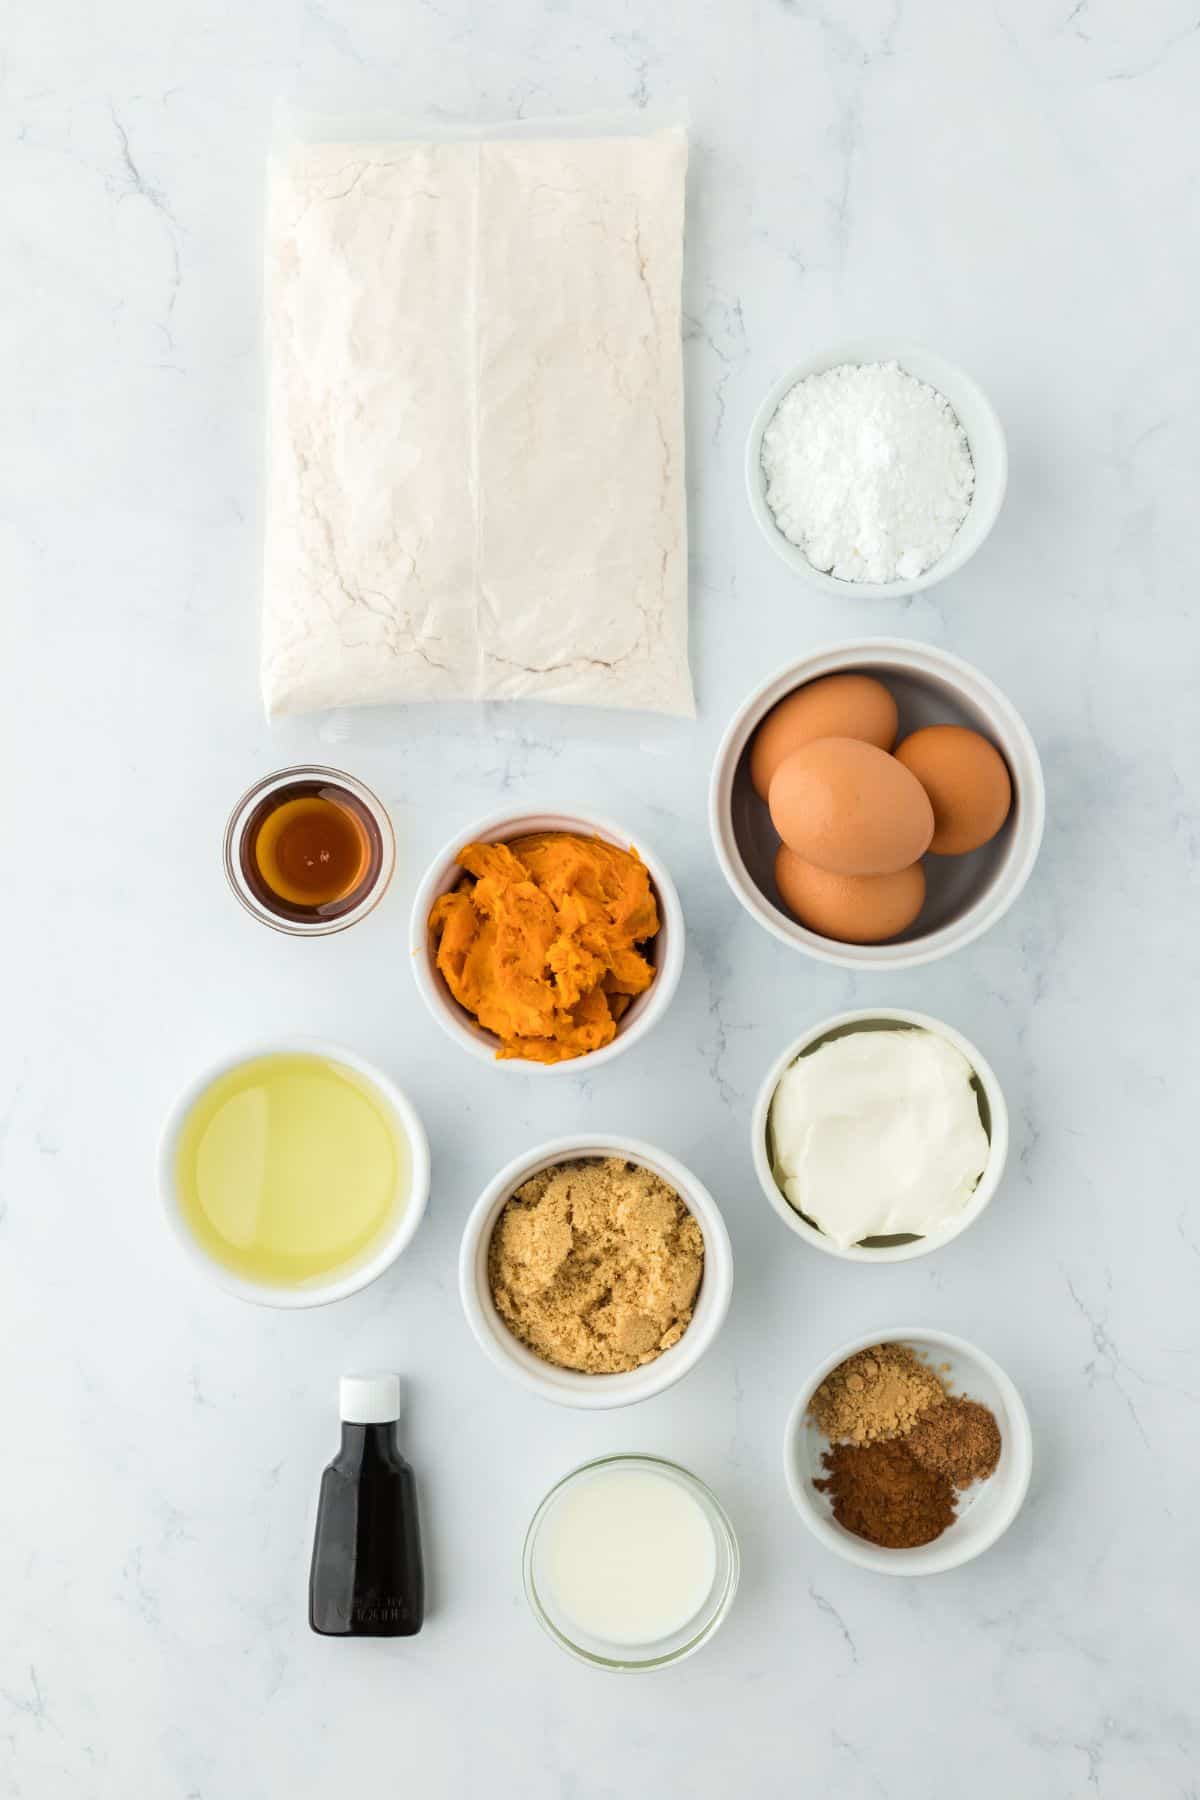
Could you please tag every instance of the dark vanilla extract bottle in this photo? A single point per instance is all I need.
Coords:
(367, 1578)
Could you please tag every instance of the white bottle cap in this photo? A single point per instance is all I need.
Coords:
(372, 1399)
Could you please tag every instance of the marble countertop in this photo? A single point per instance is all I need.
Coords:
(1014, 184)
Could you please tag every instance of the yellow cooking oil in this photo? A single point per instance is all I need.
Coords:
(291, 1167)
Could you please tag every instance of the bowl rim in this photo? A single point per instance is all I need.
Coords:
(394, 1243)
(646, 1010)
(982, 514)
(986, 1188)
(925, 1559)
(637, 1459)
(570, 1387)
(846, 655)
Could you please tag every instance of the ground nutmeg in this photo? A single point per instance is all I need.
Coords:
(960, 1440)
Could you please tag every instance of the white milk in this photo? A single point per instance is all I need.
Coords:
(628, 1555)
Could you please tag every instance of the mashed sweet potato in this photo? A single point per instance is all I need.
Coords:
(540, 942)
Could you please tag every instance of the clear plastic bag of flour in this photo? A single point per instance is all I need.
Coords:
(475, 454)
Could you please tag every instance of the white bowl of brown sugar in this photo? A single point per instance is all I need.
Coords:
(908, 1452)
(595, 1271)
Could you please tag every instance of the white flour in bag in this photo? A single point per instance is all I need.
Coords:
(475, 482)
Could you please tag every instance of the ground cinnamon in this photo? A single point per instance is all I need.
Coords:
(880, 1492)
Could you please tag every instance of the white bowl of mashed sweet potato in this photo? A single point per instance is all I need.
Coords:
(659, 1311)
(557, 992)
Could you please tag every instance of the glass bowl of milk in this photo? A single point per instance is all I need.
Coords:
(630, 1563)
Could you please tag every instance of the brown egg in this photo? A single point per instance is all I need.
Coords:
(967, 781)
(850, 808)
(854, 706)
(854, 909)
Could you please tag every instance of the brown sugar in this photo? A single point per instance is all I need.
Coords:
(880, 1492)
(960, 1440)
(878, 1393)
(595, 1265)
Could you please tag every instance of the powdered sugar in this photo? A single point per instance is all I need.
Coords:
(868, 472)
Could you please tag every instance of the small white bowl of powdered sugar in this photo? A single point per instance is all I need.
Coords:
(876, 468)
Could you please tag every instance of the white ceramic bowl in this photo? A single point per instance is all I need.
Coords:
(985, 1511)
(567, 1386)
(992, 1110)
(965, 895)
(666, 948)
(341, 1283)
(976, 415)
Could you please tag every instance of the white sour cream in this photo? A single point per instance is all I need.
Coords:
(878, 1133)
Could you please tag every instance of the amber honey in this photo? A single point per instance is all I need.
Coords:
(310, 850)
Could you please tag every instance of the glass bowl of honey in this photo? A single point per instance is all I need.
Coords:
(309, 850)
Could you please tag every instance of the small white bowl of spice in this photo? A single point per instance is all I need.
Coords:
(595, 1271)
(876, 468)
(879, 1135)
(908, 1452)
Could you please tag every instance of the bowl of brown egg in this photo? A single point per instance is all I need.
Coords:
(877, 804)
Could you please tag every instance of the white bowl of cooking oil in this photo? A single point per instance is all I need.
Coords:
(293, 1173)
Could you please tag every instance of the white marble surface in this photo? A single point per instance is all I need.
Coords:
(1013, 183)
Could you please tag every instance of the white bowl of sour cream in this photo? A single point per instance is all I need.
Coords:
(915, 1145)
